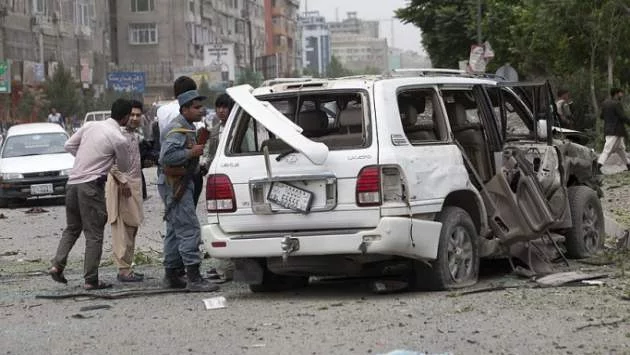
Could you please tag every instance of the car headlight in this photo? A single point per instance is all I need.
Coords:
(65, 172)
(11, 176)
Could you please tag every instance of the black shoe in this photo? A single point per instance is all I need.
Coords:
(172, 279)
(196, 283)
(131, 277)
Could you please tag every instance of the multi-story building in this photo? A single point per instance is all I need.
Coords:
(315, 38)
(281, 31)
(211, 39)
(359, 53)
(353, 24)
(37, 35)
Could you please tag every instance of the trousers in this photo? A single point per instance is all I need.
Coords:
(123, 244)
(85, 212)
(183, 232)
(614, 144)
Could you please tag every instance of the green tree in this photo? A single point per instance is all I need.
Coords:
(63, 93)
(336, 69)
(251, 77)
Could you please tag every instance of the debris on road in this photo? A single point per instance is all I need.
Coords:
(94, 307)
(215, 302)
(2, 216)
(80, 316)
(10, 253)
(388, 286)
(604, 324)
(563, 278)
(36, 210)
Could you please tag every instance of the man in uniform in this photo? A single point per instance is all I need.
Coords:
(179, 159)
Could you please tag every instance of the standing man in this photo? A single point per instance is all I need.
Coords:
(615, 121)
(223, 105)
(564, 108)
(55, 117)
(123, 193)
(179, 159)
(95, 147)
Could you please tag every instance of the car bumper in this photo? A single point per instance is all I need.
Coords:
(21, 189)
(392, 236)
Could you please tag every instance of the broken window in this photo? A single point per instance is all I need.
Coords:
(419, 112)
(339, 120)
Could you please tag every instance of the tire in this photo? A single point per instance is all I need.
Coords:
(457, 263)
(276, 283)
(586, 236)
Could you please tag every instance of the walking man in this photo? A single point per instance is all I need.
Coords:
(179, 160)
(123, 193)
(95, 147)
(615, 121)
(563, 105)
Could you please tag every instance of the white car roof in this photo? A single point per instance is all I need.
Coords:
(365, 82)
(34, 128)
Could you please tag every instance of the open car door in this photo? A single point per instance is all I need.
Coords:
(517, 207)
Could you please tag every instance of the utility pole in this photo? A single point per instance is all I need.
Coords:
(250, 43)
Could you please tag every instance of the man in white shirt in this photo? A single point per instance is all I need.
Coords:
(55, 117)
(95, 147)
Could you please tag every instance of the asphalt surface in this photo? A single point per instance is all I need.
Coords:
(341, 317)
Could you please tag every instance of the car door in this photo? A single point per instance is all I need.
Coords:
(517, 207)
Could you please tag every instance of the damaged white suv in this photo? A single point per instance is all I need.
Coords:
(420, 176)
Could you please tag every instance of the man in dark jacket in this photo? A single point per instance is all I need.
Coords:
(615, 121)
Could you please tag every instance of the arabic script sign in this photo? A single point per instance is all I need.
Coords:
(132, 81)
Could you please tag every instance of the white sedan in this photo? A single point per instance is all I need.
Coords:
(33, 162)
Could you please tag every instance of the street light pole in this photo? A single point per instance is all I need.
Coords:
(248, 21)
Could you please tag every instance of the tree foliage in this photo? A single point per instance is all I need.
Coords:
(336, 69)
(63, 92)
(581, 45)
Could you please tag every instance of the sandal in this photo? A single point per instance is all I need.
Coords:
(97, 286)
(57, 274)
(131, 277)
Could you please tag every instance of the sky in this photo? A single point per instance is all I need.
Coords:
(405, 36)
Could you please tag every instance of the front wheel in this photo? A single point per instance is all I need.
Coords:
(457, 263)
(586, 236)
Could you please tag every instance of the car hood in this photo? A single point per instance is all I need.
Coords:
(278, 124)
(36, 163)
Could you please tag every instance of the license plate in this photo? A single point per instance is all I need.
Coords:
(42, 189)
(290, 197)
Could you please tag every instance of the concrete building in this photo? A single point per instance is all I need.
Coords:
(210, 39)
(353, 24)
(359, 53)
(315, 36)
(401, 59)
(37, 35)
(281, 36)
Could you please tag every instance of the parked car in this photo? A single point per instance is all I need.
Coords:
(96, 116)
(417, 175)
(33, 162)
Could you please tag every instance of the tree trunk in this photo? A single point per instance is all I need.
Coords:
(595, 105)
(611, 67)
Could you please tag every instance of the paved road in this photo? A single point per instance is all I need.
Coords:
(342, 317)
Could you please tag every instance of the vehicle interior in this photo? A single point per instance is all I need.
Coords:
(421, 122)
(335, 119)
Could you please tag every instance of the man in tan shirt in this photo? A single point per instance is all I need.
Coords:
(123, 194)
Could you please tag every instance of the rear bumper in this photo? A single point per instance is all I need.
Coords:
(392, 236)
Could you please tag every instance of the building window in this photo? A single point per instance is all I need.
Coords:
(84, 12)
(142, 5)
(143, 33)
(39, 7)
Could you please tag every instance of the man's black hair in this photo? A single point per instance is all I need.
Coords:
(137, 104)
(120, 109)
(224, 100)
(615, 91)
(561, 92)
(183, 84)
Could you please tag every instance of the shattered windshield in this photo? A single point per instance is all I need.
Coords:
(339, 120)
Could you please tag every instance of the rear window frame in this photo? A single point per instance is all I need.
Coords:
(368, 125)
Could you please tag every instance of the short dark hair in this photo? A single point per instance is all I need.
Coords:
(224, 100)
(137, 104)
(120, 109)
(562, 92)
(183, 84)
(615, 91)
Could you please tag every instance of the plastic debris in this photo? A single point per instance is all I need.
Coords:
(215, 302)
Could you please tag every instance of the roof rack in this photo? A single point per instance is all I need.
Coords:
(442, 72)
(275, 81)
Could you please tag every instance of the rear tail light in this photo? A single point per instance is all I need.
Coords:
(393, 188)
(220, 194)
(368, 191)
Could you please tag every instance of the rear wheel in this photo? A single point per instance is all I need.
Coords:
(275, 283)
(586, 237)
(457, 263)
